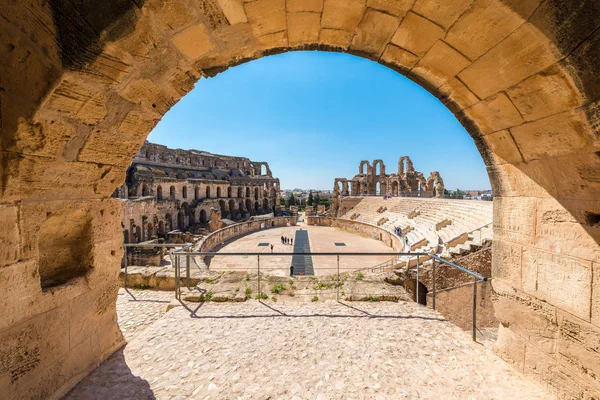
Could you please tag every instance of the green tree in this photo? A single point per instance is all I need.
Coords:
(310, 198)
(291, 200)
(316, 200)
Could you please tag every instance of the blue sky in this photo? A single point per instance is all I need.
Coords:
(313, 116)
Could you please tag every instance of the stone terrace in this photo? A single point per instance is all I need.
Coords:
(309, 351)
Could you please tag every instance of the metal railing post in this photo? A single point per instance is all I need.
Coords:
(259, 292)
(338, 279)
(433, 284)
(417, 285)
(474, 309)
(125, 278)
(187, 270)
(176, 261)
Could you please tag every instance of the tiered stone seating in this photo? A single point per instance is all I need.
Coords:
(470, 221)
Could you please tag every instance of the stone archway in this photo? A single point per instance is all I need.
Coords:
(76, 82)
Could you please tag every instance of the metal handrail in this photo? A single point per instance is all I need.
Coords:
(184, 250)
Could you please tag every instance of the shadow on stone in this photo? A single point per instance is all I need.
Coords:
(113, 379)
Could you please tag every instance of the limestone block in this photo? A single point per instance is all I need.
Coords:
(21, 288)
(305, 5)
(515, 219)
(273, 40)
(482, 27)
(552, 273)
(494, 114)
(569, 227)
(9, 232)
(31, 353)
(532, 179)
(146, 35)
(395, 7)
(506, 262)
(47, 138)
(78, 100)
(583, 61)
(236, 38)
(565, 382)
(540, 307)
(550, 92)
(266, 16)
(553, 136)
(577, 176)
(533, 327)
(455, 95)
(194, 42)
(510, 347)
(417, 34)
(233, 10)
(579, 347)
(335, 38)
(567, 23)
(442, 12)
(440, 64)
(374, 32)
(503, 147)
(110, 67)
(41, 177)
(596, 295)
(398, 58)
(342, 14)
(171, 16)
(153, 97)
(303, 27)
(523, 53)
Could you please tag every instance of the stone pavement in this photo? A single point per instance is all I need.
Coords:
(302, 351)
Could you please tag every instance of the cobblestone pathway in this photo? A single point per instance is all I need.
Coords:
(302, 351)
(136, 315)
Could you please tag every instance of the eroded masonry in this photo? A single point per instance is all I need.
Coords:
(177, 190)
(406, 182)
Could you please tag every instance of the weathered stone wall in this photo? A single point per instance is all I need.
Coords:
(372, 231)
(81, 90)
(243, 228)
(456, 304)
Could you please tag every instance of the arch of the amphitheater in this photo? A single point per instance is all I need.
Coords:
(81, 90)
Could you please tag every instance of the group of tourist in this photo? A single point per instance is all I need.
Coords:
(287, 240)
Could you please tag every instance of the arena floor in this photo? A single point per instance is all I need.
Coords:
(320, 239)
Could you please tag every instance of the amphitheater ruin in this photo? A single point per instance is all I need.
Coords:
(83, 84)
(167, 190)
(405, 182)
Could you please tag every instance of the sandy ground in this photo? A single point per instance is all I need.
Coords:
(322, 239)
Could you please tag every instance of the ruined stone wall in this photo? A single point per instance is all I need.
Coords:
(243, 228)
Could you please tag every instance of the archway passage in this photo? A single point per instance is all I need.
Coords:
(80, 109)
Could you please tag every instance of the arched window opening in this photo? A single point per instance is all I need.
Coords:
(229, 191)
(184, 192)
(145, 190)
(203, 218)
(247, 192)
(218, 191)
(196, 192)
(172, 192)
(159, 194)
(208, 192)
